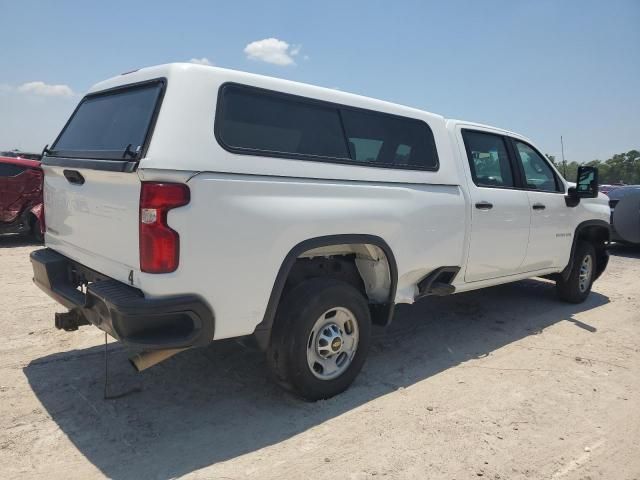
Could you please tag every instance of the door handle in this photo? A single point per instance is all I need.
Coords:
(484, 205)
(73, 176)
(538, 206)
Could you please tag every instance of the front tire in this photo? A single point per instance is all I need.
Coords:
(577, 287)
(320, 338)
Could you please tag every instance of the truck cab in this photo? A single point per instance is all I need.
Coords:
(523, 218)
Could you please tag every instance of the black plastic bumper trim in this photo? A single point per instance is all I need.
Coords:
(122, 311)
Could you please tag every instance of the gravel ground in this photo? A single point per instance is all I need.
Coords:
(503, 383)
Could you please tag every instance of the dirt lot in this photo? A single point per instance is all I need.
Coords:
(503, 383)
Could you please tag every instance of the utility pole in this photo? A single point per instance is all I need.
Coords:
(564, 162)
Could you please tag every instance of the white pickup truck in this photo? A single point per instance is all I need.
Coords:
(186, 204)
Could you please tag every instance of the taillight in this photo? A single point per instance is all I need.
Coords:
(159, 244)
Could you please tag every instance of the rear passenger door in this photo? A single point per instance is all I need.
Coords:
(500, 213)
(551, 236)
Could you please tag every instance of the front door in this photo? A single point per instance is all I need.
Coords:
(551, 234)
(500, 213)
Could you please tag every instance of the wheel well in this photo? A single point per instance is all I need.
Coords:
(364, 261)
(364, 266)
(340, 267)
(598, 236)
(596, 233)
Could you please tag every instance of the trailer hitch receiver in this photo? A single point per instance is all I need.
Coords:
(70, 321)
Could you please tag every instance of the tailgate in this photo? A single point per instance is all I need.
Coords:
(95, 223)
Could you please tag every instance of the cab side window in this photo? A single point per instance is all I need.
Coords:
(537, 172)
(488, 159)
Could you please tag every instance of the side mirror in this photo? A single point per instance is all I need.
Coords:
(586, 186)
(571, 198)
(587, 182)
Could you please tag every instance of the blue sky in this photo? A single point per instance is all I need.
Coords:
(542, 68)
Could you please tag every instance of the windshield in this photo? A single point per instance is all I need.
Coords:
(113, 125)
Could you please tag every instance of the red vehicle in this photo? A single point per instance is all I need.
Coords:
(21, 208)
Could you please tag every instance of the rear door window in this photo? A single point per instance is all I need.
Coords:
(488, 159)
(113, 125)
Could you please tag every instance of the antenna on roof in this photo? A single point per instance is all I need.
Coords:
(564, 162)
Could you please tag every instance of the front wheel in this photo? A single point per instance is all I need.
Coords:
(320, 338)
(577, 287)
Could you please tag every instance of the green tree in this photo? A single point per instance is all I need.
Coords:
(620, 168)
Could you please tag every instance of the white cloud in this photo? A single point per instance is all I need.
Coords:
(272, 50)
(34, 121)
(44, 89)
(201, 61)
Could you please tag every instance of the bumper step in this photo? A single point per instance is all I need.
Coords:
(122, 311)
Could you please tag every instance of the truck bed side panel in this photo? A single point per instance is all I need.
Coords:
(238, 229)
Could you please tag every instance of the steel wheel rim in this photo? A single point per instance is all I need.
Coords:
(584, 278)
(332, 343)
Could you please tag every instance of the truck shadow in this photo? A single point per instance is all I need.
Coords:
(625, 250)
(214, 404)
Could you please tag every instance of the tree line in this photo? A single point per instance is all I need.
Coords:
(621, 168)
